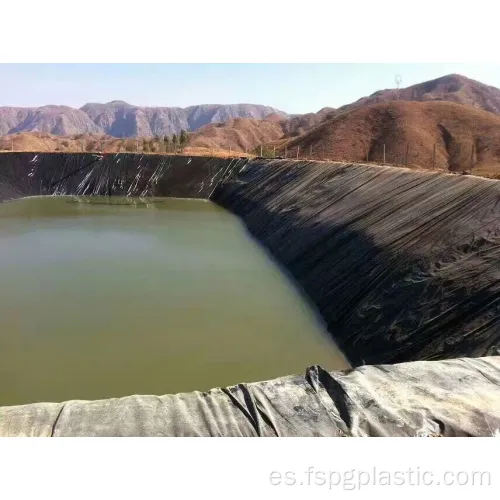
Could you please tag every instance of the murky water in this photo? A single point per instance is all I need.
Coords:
(108, 297)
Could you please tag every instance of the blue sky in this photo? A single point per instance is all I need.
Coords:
(294, 88)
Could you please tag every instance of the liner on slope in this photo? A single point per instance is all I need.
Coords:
(31, 174)
(402, 265)
(446, 398)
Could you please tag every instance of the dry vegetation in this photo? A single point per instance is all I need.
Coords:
(437, 134)
(36, 142)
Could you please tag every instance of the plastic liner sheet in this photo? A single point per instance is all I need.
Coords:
(441, 398)
(34, 174)
(402, 265)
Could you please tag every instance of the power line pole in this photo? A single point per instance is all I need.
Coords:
(298, 149)
(398, 80)
(383, 163)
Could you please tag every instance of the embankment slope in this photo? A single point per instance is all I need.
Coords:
(33, 174)
(402, 265)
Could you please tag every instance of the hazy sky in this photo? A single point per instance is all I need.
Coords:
(294, 88)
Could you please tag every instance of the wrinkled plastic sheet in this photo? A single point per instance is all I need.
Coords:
(87, 174)
(402, 265)
(440, 398)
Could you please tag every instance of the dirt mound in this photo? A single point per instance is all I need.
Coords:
(240, 134)
(462, 136)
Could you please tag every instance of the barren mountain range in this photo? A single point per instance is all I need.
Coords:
(119, 119)
(451, 123)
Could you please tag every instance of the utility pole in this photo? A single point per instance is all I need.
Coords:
(472, 157)
(434, 157)
(383, 163)
(398, 80)
(274, 152)
(298, 149)
(406, 155)
(310, 151)
(261, 150)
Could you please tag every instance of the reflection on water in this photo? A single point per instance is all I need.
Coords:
(107, 297)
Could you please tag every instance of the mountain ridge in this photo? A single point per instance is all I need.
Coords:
(121, 119)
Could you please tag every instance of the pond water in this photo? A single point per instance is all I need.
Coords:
(108, 297)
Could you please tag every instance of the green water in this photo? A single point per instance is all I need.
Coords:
(105, 297)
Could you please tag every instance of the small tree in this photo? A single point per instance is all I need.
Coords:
(166, 142)
(266, 151)
(157, 142)
(184, 139)
(174, 142)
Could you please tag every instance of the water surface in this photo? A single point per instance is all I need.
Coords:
(107, 297)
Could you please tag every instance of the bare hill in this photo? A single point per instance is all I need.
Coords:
(240, 134)
(463, 136)
(299, 124)
(452, 88)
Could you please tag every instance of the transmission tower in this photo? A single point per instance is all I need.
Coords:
(398, 81)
